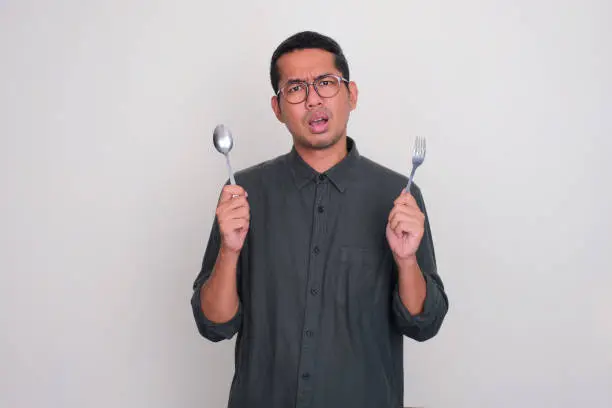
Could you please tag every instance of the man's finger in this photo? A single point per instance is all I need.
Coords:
(405, 199)
(239, 213)
(237, 208)
(411, 226)
(238, 224)
(233, 203)
(232, 191)
(407, 228)
(397, 213)
(414, 222)
(403, 225)
(407, 212)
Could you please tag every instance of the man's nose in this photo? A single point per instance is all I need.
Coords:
(313, 99)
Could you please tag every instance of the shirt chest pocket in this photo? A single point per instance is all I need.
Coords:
(358, 275)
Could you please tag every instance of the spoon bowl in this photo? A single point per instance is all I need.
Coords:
(224, 142)
(222, 139)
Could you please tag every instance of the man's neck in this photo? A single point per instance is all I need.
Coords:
(324, 159)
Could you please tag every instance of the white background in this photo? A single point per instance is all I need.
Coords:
(109, 182)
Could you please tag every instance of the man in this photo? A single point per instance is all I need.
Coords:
(318, 259)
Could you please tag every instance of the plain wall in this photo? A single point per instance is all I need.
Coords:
(109, 182)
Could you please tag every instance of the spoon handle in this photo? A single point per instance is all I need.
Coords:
(229, 169)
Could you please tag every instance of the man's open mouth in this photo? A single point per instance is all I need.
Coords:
(318, 122)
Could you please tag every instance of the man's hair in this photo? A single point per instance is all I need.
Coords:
(307, 40)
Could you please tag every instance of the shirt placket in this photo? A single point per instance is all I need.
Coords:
(313, 296)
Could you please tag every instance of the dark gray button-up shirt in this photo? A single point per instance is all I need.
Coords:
(320, 321)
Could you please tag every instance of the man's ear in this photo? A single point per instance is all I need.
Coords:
(353, 94)
(277, 109)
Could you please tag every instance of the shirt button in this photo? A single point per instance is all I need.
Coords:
(321, 177)
(316, 250)
(305, 376)
(309, 333)
(314, 292)
(321, 209)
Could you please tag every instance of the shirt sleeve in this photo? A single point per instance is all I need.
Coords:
(425, 325)
(210, 330)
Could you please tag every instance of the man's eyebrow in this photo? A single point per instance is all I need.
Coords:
(323, 75)
(296, 80)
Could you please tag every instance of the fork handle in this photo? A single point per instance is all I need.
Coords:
(410, 179)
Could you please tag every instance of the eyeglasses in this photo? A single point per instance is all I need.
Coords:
(326, 86)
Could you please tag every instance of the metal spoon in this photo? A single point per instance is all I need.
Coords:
(222, 138)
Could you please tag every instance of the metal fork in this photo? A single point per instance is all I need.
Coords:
(418, 157)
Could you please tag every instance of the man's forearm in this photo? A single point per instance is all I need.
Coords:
(412, 286)
(219, 294)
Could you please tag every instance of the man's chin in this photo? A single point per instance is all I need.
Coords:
(320, 141)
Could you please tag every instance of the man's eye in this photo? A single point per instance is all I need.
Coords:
(294, 88)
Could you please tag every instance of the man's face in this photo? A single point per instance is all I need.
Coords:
(316, 123)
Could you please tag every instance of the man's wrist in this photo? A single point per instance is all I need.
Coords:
(408, 263)
(228, 255)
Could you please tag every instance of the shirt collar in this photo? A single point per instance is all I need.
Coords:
(339, 174)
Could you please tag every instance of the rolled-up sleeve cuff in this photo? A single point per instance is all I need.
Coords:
(427, 323)
(211, 330)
